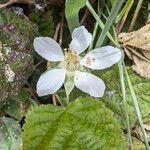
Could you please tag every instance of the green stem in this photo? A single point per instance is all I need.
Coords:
(125, 103)
(136, 106)
(101, 24)
(112, 16)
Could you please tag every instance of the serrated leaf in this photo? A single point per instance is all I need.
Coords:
(114, 101)
(10, 134)
(71, 12)
(83, 124)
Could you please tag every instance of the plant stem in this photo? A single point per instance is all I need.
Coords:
(125, 104)
(112, 16)
(136, 106)
(54, 99)
(101, 24)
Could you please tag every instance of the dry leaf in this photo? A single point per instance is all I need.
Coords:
(139, 133)
(136, 45)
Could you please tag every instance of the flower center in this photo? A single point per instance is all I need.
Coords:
(71, 60)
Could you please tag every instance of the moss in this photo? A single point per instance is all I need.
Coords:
(16, 53)
(45, 22)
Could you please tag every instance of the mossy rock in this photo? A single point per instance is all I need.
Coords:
(16, 53)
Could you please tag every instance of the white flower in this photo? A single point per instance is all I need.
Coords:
(72, 68)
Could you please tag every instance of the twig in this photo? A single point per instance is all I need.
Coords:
(135, 15)
(84, 16)
(61, 28)
(86, 13)
(57, 31)
(33, 93)
(122, 21)
(58, 98)
(17, 1)
(39, 63)
(7, 4)
(54, 99)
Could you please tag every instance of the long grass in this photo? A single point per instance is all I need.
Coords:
(122, 68)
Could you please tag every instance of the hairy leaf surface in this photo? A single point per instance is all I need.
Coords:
(83, 124)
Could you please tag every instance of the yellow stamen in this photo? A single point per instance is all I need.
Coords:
(71, 60)
(90, 61)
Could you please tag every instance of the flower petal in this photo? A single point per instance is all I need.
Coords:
(48, 49)
(81, 39)
(89, 83)
(50, 82)
(101, 58)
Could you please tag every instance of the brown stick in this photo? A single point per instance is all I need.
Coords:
(61, 28)
(54, 99)
(7, 4)
(57, 31)
(84, 16)
(135, 15)
(16, 1)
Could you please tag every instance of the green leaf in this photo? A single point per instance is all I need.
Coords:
(20, 105)
(83, 124)
(113, 96)
(71, 12)
(10, 134)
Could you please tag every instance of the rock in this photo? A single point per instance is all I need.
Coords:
(16, 53)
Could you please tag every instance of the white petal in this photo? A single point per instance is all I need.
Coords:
(48, 49)
(81, 39)
(50, 82)
(101, 58)
(89, 83)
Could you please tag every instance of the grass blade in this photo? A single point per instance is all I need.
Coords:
(123, 89)
(101, 24)
(137, 109)
(114, 12)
